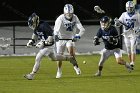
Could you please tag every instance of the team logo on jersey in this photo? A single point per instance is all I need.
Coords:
(40, 33)
(106, 37)
(69, 26)
(130, 23)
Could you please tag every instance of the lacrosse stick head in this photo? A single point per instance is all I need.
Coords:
(68, 11)
(98, 9)
(105, 22)
(130, 6)
(33, 21)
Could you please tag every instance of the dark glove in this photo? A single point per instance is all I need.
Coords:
(96, 41)
(56, 38)
(30, 43)
(113, 40)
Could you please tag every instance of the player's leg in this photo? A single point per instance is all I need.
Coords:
(104, 56)
(36, 66)
(119, 60)
(60, 47)
(133, 51)
(128, 47)
(71, 49)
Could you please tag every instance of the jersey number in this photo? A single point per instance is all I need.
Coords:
(130, 25)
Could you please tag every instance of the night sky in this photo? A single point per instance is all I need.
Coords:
(18, 10)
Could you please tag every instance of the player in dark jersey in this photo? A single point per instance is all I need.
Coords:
(110, 38)
(44, 33)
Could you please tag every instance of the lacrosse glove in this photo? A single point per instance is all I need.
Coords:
(96, 41)
(30, 43)
(112, 40)
(76, 38)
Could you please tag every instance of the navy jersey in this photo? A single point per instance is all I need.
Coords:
(105, 35)
(43, 30)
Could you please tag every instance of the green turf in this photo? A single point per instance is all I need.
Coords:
(115, 78)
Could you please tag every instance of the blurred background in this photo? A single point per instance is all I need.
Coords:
(50, 9)
(14, 15)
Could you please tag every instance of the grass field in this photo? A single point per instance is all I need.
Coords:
(115, 78)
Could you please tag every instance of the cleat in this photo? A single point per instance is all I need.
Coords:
(132, 64)
(129, 68)
(29, 76)
(77, 70)
(59, 74)
(98, 74)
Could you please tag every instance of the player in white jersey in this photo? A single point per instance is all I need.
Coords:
(131, 22)
(65, 28)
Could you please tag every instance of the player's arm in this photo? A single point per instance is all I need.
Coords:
(57, 25)
(97, 37)
(115, 38)
(80, 27)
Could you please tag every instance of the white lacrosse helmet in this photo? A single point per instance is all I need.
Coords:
(68, 11)
(33, 21)
(130, 6)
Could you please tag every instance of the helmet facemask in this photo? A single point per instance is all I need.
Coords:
(68, 16)
(105, 23)
(33, 21)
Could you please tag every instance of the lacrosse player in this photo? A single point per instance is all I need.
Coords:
(131, 19)
(110, 38)
(44, 32)
(65, 28)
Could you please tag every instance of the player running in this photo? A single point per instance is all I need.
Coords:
(65, 28)
(110, 37)
(132, 21)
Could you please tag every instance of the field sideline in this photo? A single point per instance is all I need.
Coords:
(115, 78)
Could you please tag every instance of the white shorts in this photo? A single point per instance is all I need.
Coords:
(46, 51)
(62, 44)
(117, 52)
(130, 43)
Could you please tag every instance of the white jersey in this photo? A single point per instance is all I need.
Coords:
(133, 21)
(66, 29)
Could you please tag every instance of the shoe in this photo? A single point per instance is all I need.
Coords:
(129, 68)
(29, 76)
(59, 74)
(132, 64)
(77, 70)
(98, 74)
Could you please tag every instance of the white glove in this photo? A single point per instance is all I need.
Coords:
(40, 44)
(117, 23)
(30, 43)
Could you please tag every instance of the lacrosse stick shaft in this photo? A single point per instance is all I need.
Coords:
(65, 39)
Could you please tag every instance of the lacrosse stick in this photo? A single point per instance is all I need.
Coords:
(99, 10)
